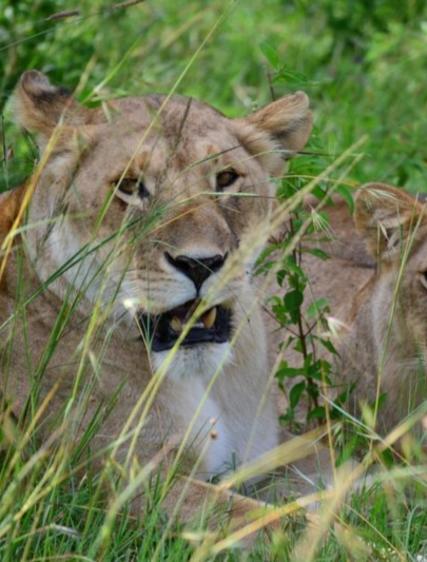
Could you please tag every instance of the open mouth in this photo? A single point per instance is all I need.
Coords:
(162, 330)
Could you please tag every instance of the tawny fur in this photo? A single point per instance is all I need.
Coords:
(178, 145)
(385, 350)
(375, 284)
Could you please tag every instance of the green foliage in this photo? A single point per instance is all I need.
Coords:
(363, 65)
(302, 324)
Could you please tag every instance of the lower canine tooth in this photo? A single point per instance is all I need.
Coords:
(176, 324)
(209, 318)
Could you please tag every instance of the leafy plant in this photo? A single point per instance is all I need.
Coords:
(363, 65)
(301, 323)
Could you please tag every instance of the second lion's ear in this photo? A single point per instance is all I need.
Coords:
(277, 131)
(41, 106)
(386, 217)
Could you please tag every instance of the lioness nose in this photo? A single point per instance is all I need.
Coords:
(197, 269)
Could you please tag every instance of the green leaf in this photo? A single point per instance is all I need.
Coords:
(270, 54)
(318, 192)
(285, 191)
(347, 195)
(328, 345)
(281, 276)
(298, 282)
(295, 393)
(318, 370)
(318, 253)
(293, 268)
(317, 413)
(284, 371)
(293, 301)
(298, 346)
(317, 307)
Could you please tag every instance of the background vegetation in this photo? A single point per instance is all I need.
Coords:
(363, 64)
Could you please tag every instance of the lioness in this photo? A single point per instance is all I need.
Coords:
(385, 350)
(134, 284)
(375, 281)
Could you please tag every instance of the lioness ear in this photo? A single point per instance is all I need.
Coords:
(386, 216)
(40, 106)
(278, 131)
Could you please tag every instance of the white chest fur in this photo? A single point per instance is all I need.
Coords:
(222, 412)
(191, 378)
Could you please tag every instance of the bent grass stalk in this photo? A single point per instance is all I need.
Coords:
(57, 470)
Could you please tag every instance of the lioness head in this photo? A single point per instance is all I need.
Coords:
(144, 204)
(394, 225)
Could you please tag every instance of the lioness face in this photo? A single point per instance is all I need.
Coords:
(164, 195)
(395, 227)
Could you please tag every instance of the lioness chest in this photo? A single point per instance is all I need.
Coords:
(101, 378)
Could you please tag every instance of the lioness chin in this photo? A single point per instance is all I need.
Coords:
(130, 280)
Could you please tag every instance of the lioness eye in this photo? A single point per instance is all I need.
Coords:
(132, 186)
(226, 178)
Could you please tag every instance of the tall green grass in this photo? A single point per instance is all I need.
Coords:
(363, 66)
